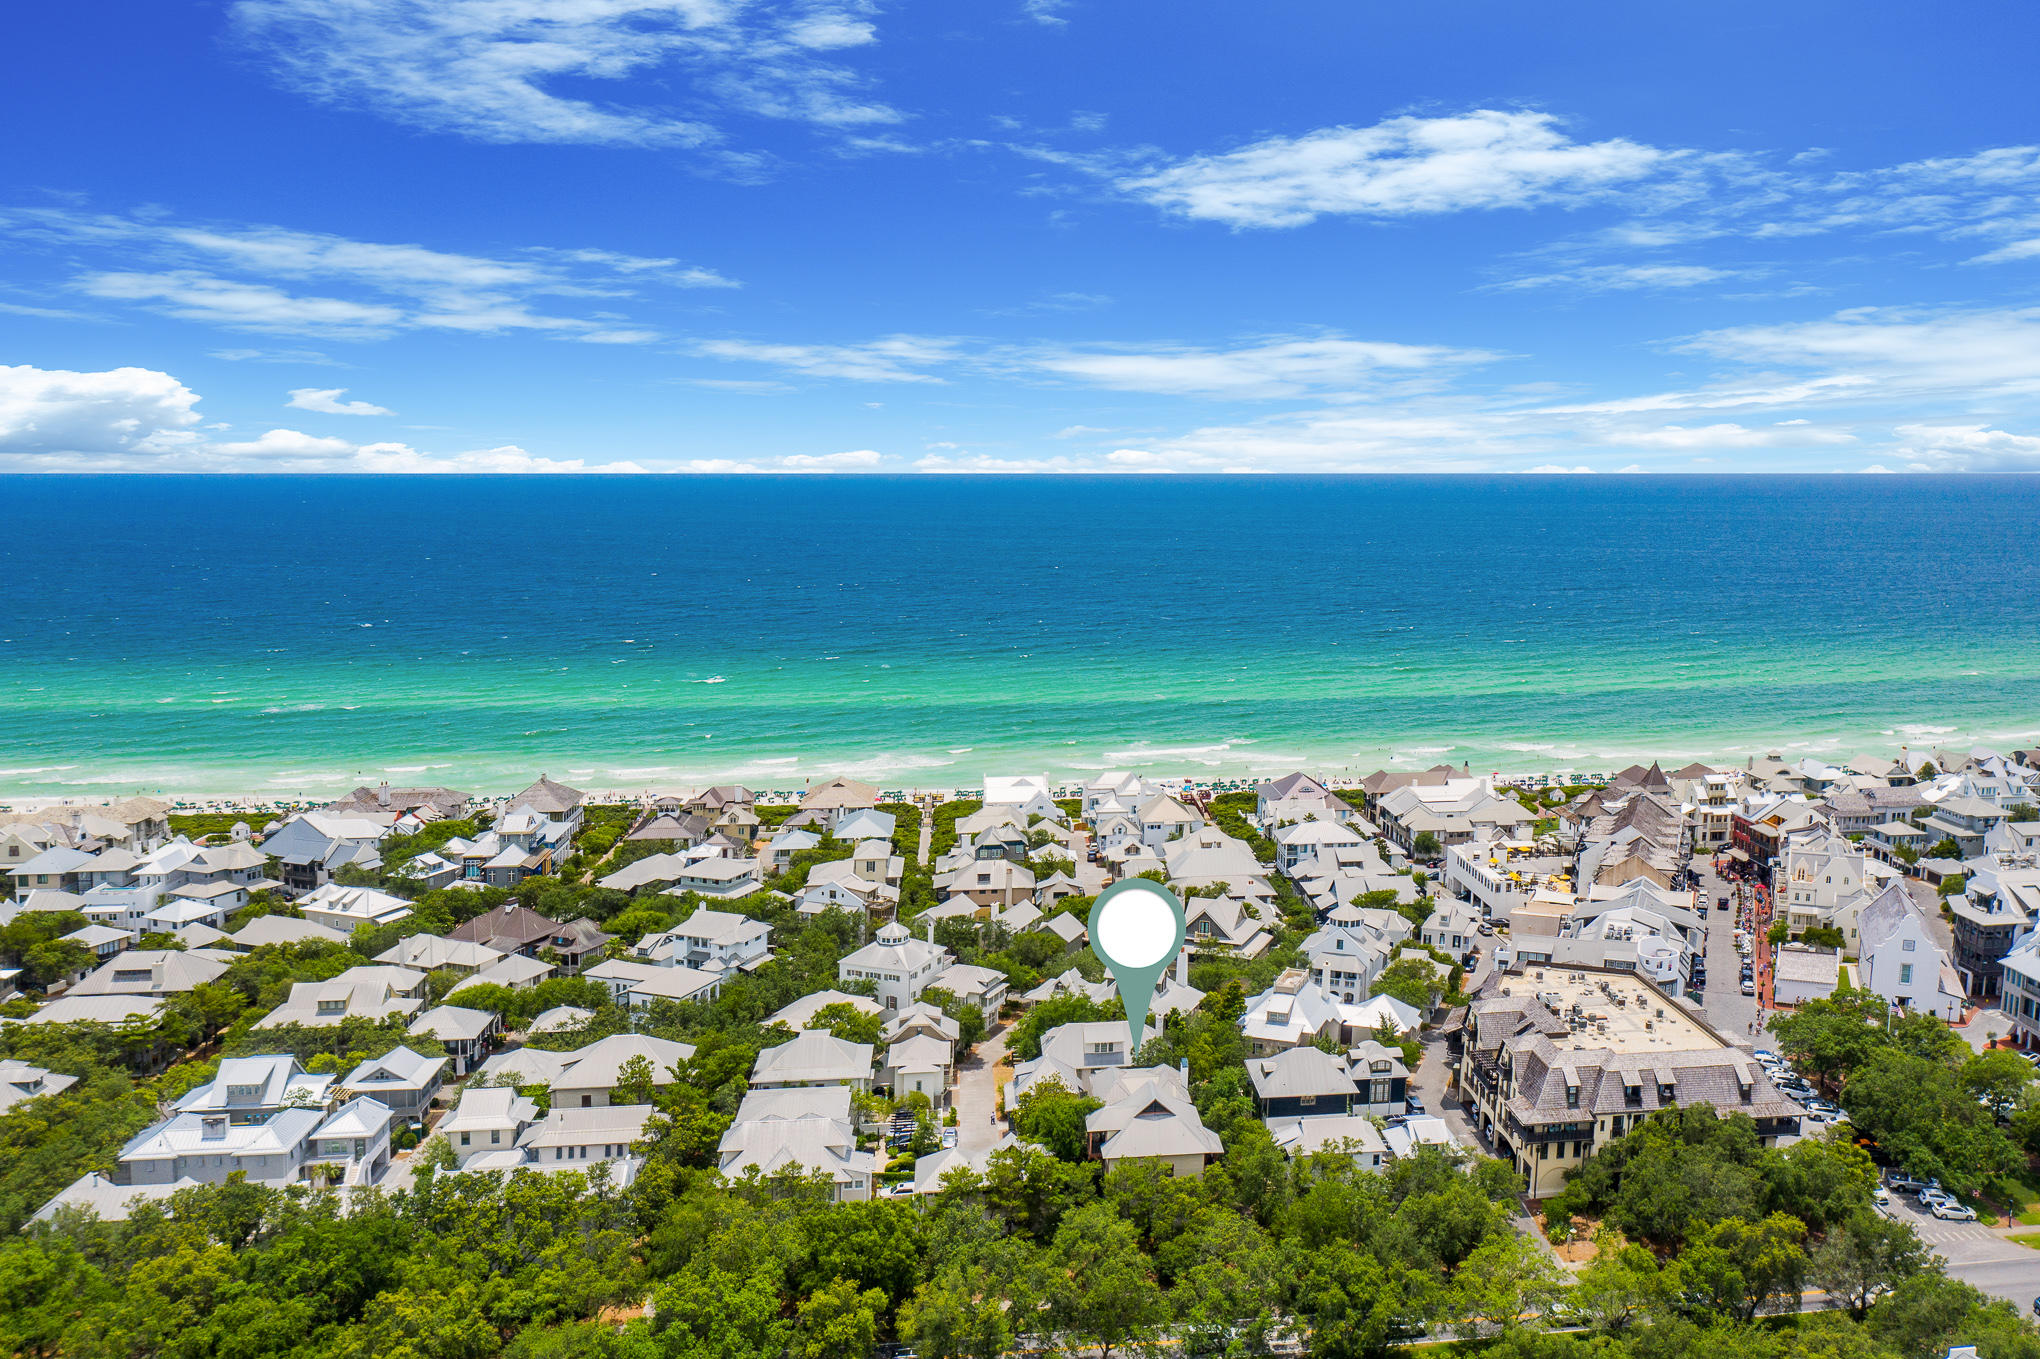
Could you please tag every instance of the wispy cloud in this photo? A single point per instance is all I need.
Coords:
(1259, 369)
(255, 277)
(508, 71)
(1601, 278)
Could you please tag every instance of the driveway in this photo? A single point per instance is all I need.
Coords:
(1983, 1257)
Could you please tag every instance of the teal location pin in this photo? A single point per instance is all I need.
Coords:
(1136, 931)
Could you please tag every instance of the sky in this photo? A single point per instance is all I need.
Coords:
(1019, 236)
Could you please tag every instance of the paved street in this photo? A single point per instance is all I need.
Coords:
(977, 1095)
(1724, 1005)
(1979, 1256)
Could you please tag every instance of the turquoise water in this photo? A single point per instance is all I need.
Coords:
(291, 635)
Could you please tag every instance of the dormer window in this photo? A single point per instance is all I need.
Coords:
(1664, 1092)
(1572, 1097)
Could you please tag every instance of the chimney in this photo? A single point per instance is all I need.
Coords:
(382, 794)
(931, 929)
(1183, 967)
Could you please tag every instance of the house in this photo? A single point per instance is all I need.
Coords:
(1116, 788)
(1027, 795)
(721, 798)
(980, 986)
(869, 824)
(510, 928)
(990, 883)
(209, 1148)
(347, 908)
(921, 1063)
(1295, 1011)
(1412, 1135)
(1346, 954)
(104, 941)
(1800, 974)
(403, 1081)
(721, 877)
(373, 993)
(196, 903)
(1152, 1119)
(1162, 819)
(515, 972)
(874, 861)
(801, 1013)
(685, 829)
(282, 931)
(639, 984)
(899, 965)
(255, 1089)
(808, 1131)
(556, 804)
(1554, 1063)
(310, 847)
(581, 1138)
(1352, 1134)
(117, 1010)
(1299, 842)
(1078, 1056)
(1370, 1079)
(431, 953)
(152, 972)
(352, 1147)
(465, 1034)
(21, 1081)
(488, 1118)
(426, 804)
(587, 1077)
(1818, 874)
(780, 849)
(813, 1057)
(1226, 924)
(838, 798)
(1452, 926)
(1899, 960)
(1295, 797)
(731, 941)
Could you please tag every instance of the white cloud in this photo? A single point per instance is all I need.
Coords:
(1898, 351)
(65, 418)
(1283, 366)
(1277, 368)
(1550, 469)
(1401, 167)
(894, 358)
(1623, 277)
(140, 419)
(502, 70)
(326, 401)
(830, 462)
(250, 277)
(1968, 448)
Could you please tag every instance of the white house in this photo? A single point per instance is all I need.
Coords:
(732, 941)
(346, 908)
(1900, 961)
(488, 1118)
(808, 1131)
(814, 1057)
(900, 965)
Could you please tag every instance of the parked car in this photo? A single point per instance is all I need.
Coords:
(1881, 1196)
(1954, 1212)
(1413, 1105)
(1907, 1183)
(1749, 986)
(1721, 903)
(1766, 1055)
(1932, 1199)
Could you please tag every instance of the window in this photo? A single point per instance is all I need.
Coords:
(1905, 974)
(1572, 1097)
(495, 1137)
(587, 1101)
(463, 1139)
(1907, 946)
(1544, 1151)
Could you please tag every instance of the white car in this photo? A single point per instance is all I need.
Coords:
(1950, 1211)
(1880, 1196)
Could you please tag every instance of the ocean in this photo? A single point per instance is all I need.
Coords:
(293, 636)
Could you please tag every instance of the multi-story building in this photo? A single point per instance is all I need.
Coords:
(1558, 1061)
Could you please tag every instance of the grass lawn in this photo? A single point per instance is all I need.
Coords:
(2027, 1239)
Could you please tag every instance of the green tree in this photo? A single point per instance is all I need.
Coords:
(1864, 1256)
(838, 1322)
(1741, 1267)
(1053, 1115)
(1101, 1290)
(1505, 1279)
(1620, 1286)
(1997, 1077)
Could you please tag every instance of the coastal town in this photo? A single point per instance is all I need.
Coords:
(847, 995)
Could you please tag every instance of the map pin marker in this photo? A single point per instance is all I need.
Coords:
(1136, 931)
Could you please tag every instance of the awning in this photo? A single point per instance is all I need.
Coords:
(1738, 856)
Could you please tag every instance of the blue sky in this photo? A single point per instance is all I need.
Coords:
(1018, 235)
